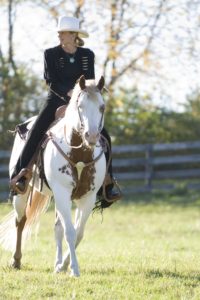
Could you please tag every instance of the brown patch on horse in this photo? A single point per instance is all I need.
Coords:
(86, 181)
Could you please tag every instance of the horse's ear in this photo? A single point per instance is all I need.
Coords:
(101, 83)
(82, 82)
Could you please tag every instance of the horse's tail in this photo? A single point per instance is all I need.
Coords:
(8, 231)
(39, 204)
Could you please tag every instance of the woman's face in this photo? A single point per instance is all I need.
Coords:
(67, 37)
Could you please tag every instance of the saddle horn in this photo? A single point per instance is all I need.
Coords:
(82, 82)
(101, 83)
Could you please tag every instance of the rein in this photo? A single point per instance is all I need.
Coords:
(80, 116)
(59, 96)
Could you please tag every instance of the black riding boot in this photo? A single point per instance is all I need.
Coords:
(111, 194)
(36, 134)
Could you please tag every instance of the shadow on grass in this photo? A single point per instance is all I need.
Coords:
(183, 198)
(193, 278)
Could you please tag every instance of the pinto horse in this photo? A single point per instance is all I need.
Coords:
(74, 167)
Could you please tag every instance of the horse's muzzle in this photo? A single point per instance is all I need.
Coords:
(92, 138)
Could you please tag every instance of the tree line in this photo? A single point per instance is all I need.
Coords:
(133, 49)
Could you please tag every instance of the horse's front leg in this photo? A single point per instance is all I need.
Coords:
(62, 265)
(19, 203)
(59, 234)
(84, 209)
(63, 207)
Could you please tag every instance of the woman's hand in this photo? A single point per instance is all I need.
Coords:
(70, 93)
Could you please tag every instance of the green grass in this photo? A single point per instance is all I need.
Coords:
(147, 248)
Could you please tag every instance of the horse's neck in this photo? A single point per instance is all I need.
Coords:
(73, 136)
(72, 142)
(71, 120)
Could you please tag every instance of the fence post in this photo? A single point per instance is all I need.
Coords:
(149, 167)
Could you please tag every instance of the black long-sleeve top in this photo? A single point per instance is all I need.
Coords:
(61, 74)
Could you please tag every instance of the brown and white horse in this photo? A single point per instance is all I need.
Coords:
(74, 166)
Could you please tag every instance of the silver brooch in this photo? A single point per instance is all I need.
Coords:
(71, 60)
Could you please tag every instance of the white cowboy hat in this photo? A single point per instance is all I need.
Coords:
(71, 24)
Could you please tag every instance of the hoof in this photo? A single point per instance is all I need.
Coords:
(74, 274)
(57, 263)
(59, 268)
(15, 264)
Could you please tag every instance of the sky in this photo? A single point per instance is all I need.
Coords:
(178, 73)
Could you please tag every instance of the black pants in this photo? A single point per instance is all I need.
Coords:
(42, 123)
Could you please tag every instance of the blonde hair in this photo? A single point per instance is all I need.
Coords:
(79, 42)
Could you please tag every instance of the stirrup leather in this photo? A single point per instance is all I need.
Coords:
(27, 173)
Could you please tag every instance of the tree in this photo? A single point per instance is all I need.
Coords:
(138, 42)
(151, 45)
(19, 88)
(135, 120)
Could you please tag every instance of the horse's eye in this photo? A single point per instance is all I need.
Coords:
(80, 107)
(102, 108)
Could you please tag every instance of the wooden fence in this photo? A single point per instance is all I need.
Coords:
(142, 168)
(4, 178)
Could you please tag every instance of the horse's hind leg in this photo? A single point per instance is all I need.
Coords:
(20, 206)
(16, 262)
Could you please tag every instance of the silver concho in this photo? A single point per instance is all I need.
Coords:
(71, 60)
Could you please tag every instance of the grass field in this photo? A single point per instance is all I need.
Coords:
(147, 248)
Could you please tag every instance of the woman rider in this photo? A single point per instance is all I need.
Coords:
(63, 65)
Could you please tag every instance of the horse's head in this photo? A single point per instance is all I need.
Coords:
(90, 107)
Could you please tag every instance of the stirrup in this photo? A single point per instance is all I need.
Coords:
(25, 172)
(108, 180)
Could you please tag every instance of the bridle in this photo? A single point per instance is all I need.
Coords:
(79, 113)
(80, 116)
(82, 122)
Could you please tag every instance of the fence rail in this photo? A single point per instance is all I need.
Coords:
(142, 168)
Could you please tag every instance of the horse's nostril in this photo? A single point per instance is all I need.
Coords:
(87, 134)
